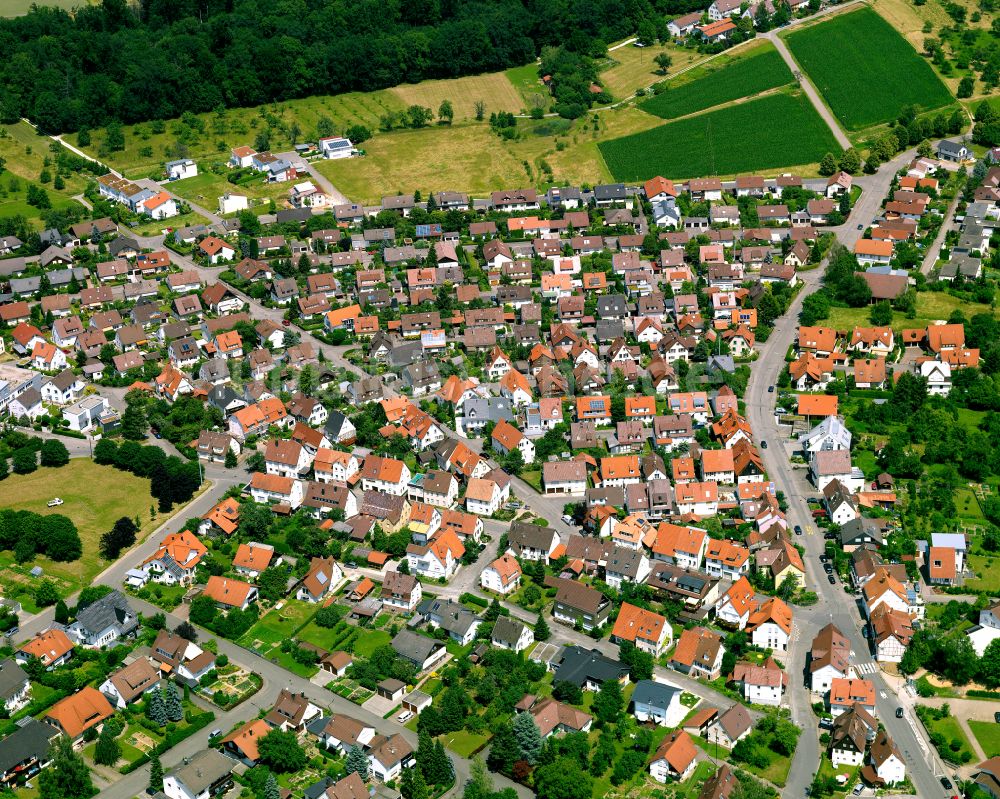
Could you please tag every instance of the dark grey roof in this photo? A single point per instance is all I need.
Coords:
(450, 616)
(656, 694)
(626, 561)
(507, 630)
(581, 665)
(203, 770)
(29, 741)
(492, 409)
(12, 678)
(415, 648)
(610, 191)
(532, 536)
(108, 611)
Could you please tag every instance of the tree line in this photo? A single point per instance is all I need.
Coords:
(154, 60)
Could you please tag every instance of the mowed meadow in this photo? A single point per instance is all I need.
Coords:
(779, 130)
(866, 72)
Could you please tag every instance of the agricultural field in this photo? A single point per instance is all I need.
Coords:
(780, 130)
(865, 70)
(629, 68)
(749, 73)
(17, 8)
(494, 89)
(93, 513)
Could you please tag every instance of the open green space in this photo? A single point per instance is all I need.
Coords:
(362, 641)
(931, 306)
(149, 145)
(94, 498)
(756, 71)
(277, 625)
(952, 733)
(206, 187)
(988, 735)
(464, 743)
(774, 131)
(15, 8)
(865, 70)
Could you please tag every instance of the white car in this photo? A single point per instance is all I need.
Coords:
(54, 502)
(405, 716)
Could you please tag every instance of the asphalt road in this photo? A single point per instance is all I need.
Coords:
(923, 766)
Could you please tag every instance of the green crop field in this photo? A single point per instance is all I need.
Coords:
(756, 72)
(775, 131)
(865, 70)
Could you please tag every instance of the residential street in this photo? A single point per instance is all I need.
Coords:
(834, 604)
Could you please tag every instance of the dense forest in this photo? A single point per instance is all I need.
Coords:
(159, 58)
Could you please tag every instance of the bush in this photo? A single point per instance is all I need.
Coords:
(475, 600)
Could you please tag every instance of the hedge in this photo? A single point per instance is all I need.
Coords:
(983, 694)
(475, 600)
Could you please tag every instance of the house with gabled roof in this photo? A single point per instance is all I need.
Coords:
(674, 759)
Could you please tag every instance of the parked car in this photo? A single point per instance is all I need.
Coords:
(798, 530)
(405, 716)
(832, 579)
(567, 519)
(770, 389)
(899, 712)
(52, 503)
(763, 445)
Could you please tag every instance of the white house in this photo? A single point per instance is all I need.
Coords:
(233, 203)
(658, 702)
(502, 576)
(337, 147)
(887, 760)
(484, 497)
(178, 170)
(85, 414)
(509, 633)
(207, 774)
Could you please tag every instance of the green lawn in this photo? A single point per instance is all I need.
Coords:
(691, 789)
(464, 743)
(988, 569)
(865, 70)
(952, 731)
(206, 187)
(94, 497)
(988, 735)
(931, 306)
(360, 640)
(742, 76)
(525, 79)
(278, 625)
(775, 131)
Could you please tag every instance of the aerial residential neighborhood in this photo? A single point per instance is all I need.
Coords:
(603, 406)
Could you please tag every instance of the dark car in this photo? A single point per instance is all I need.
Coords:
(763, 445)
(798, 530)
(996, 717)
(899, 712)
(823, 558)
(946, 783)
(832, 579)
(861, 227)
(828, 568)
(770, 389)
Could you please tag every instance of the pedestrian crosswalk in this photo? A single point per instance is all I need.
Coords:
(867, 668)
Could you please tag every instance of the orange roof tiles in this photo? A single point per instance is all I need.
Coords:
(638, 623)
(817, 405)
